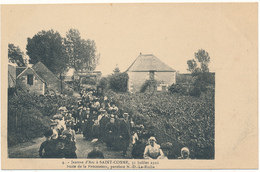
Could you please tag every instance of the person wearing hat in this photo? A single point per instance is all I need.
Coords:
(95, 153)
(113, 108)
(69, 149)
(84, 114)
(80, 103)
(111, 133)
(62, 123)
(153, 150)
(54, 129)
(63, 110)
(87, 127)
(69, 130)
(102, 126)
(95, 129)
(95, 105)
(185, 153)
(124, 133)
(79, 119)
(47, 147)
(101, 114)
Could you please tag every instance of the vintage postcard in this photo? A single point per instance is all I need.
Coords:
(129, 86)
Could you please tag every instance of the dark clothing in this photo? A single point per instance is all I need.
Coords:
(69, 149)
(48, 147)
(95, 154)
(124, 135)
(102, 126)
(124, 129)
(111, 134)
(138, 150)
(87, 131)
(84, 115)
(95, 131)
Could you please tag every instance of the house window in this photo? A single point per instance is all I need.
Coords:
(30, 79)
(151, 73)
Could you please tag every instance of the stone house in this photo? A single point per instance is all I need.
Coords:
(38, 79)
(149, 67)
(31, 82)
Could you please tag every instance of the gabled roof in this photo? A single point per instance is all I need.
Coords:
(148, 62)
(19, 70)
(44, 72)
(29, 68)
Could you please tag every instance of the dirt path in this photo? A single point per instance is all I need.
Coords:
(30, 149)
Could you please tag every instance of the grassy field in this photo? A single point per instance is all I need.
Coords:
(182, 120)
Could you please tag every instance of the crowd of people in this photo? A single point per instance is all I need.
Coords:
(99, 119)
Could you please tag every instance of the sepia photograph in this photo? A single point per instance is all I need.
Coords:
(132, 85)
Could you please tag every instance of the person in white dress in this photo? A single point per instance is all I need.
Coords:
(153, 150)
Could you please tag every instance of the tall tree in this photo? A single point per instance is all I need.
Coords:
(82, 53)
(15, 55)
(116, 70)
(200, 71)
(47, 47)
(202, 57)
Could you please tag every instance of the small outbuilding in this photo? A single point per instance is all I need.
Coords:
(38, 79)
(30, 81)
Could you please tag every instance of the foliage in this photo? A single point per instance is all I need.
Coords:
(81, 52)
(104, 83)
(116, 70)
(118, 82)
(68, 91)
(184, 79)
(15, 55)
(47, 47)
(89, 81)
(199, 72)
(178, 88)
(149, 85)
(182, 120)
(201, 57)
(28, 115)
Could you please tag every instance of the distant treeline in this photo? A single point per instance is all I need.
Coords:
(186, 78)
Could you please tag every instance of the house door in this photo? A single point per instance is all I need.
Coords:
(164, 88)
(151, 75)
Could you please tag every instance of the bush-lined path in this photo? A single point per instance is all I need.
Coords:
(30, 149)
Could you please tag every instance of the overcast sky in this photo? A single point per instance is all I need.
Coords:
(172, 32)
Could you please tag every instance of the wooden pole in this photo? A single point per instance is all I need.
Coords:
(60, 83)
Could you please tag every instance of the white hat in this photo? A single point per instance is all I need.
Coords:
(152, 138)
(185, 149)
(63, 108)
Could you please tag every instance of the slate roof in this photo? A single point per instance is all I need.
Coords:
(148, 62)
(19, 70)
(45, 73)
(29, 68)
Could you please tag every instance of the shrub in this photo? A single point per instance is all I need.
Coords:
(149, 85)
(177, 88)
(182, 120)
(29, 114)
(89, 81)
(68, 91)
(118, 82)
(25, 123)
(104, 82)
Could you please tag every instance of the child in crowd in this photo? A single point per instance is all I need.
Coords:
(185, 153)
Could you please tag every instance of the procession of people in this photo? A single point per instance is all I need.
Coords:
(100, 121)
